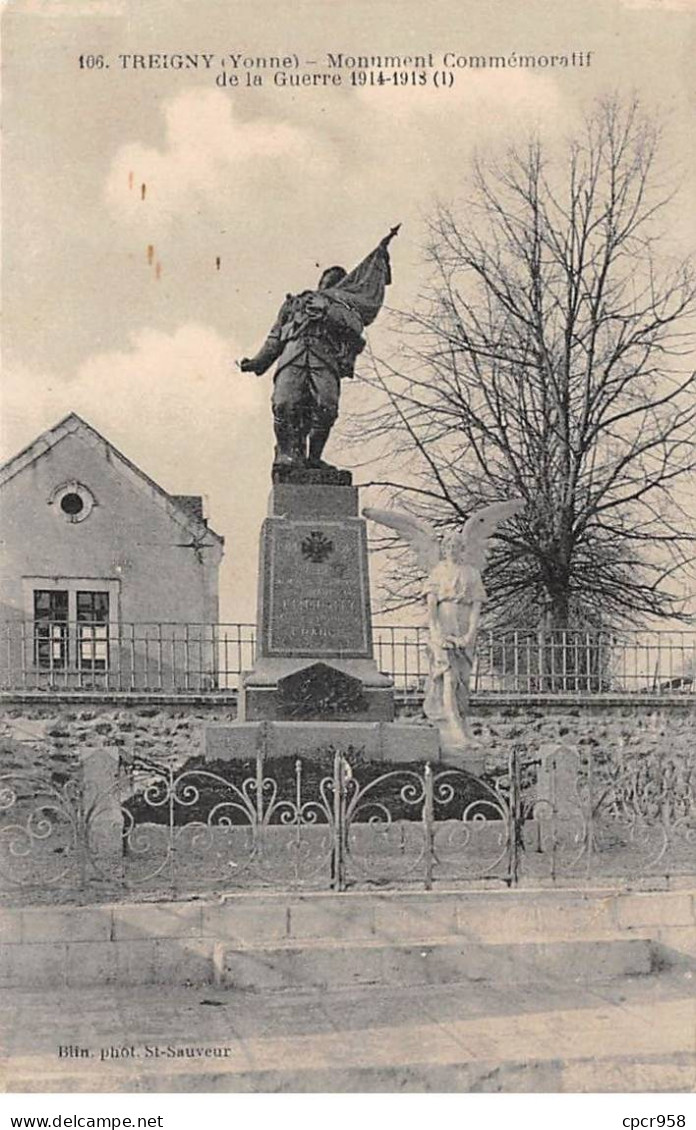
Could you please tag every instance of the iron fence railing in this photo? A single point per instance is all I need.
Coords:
(209, 659)
(333, 819)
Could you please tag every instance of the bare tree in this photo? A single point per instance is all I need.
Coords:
(548, 360)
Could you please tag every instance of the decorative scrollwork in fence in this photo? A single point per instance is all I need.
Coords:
(189, 825)
(610, 816)
(298, 832)
(41, 831)
(385, 837)
(644, 811)
(473, 834)
(333, 819)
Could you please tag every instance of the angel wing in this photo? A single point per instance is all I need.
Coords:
(420, 535)
(484, 522)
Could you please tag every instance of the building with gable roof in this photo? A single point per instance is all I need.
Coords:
(108, 580)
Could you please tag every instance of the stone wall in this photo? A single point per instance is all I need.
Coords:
(34, 732)
(608, 727)
(572, 816)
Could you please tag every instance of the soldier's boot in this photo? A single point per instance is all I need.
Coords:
(318, 435)
(298, 441)
(288, 427)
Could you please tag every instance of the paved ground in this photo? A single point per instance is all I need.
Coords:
(634, 1034)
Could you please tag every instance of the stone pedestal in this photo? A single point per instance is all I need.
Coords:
(315, 684)
(557, 783)
(391, 742)
(560, 811)
(314, 657)
(101, 784)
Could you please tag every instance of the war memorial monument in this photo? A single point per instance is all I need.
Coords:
(315, 681)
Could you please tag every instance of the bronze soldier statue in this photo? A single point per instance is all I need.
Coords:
(315, 340)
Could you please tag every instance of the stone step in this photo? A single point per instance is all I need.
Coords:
(649, 1074)
(631, 1034)
(317, 965)
(181, 943)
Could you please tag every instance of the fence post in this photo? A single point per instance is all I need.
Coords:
(541, 686)
(515, 817)
(553, 800)
(82, 835)
(516, 661)
(339, 845)
(171, 816)
(590, 814)
(260, 755)
(23, 645)
(428, 824)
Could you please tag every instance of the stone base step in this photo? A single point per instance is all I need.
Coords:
(631, 1034)
(320, 965)
(363, 936)
(653, 1074)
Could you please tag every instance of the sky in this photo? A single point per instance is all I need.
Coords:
(130, 305)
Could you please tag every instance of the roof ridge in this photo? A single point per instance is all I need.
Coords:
(69, 425)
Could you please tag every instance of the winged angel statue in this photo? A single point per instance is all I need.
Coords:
(454, 595)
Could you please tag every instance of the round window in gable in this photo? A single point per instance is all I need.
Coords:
(74, 501)
(71, 504)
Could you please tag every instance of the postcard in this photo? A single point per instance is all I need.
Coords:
(347, 650)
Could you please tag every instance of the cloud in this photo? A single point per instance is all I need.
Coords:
(209, 156)
(172, 401)
(285, 174)
(290, 189)
(431, 133)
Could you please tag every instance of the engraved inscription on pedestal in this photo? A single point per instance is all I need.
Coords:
(315, 599)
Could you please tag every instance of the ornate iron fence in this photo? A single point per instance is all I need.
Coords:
(209, 659)
(332, 819)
